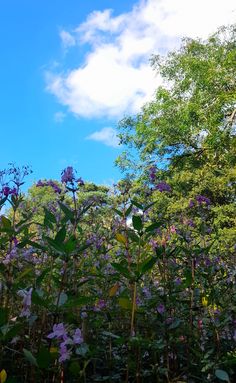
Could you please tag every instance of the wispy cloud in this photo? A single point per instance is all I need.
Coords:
(107, 136)
(59, 117)
(67, 39)
(115, 77)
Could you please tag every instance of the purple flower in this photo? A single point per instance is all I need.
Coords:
(59, 331)
(67, 175)
(178, 281)
(26, 295)
(101, 304)
(163, 186)
(11, 256)
(77, 337)
(64, 353)
(6, 191)
(51, 183)
(201, 199)
(84, 315)
(161, 309)
(152, 173)
(191, 204)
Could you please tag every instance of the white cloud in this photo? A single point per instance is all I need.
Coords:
(68, 40)
(115, 77)
(107, 136)
(59, 117)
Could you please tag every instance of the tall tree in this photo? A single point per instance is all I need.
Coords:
(189, 130)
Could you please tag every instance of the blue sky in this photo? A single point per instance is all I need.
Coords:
(70, 70)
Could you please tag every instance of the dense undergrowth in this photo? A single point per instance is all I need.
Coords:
(102, 287)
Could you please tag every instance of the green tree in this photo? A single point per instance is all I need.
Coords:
(189, 130)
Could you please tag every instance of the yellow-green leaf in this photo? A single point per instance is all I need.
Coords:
(121, 238)
(113, 290)
(3, 376)
(125, 303)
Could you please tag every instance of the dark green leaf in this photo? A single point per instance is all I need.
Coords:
(29, 356)
(137, 222)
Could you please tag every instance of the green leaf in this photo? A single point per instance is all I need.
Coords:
(3, 200)
(6, 223)
(56, 246)
(128, 211)
(121, 269)
(62, 299)
(68, 213)
(43, 358)
(118, 212)
(138, 205)
(137, 222)
(153, 227)
(147, 265)
(133, 236)
(81, 301)
(29, 356)
(125, 303)
(3, 315)
(38, 300)
(222, 375)
(61, 235)
(49, 216)
(70, 245)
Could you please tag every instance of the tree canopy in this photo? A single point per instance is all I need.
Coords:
(188, 131)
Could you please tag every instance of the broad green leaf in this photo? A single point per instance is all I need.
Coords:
(118, 212)
(61, 235)
(128, 211)
(125, 303)
(68, 213)
(6, 223)
(43, 358)
(153, 227)
(49, 216)
(121, 269)
(147, 265)
(222, 375)
(137, 222)
(137, 204)
(29, 356)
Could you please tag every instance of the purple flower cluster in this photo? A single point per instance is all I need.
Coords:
(26, 295)
(6, 191)
(59, 332)
(101, 304)
(161, 309)
(67, 175)
(163, 187)
(152, 173)
(200, 200)
(49, 183)
(68, 178)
